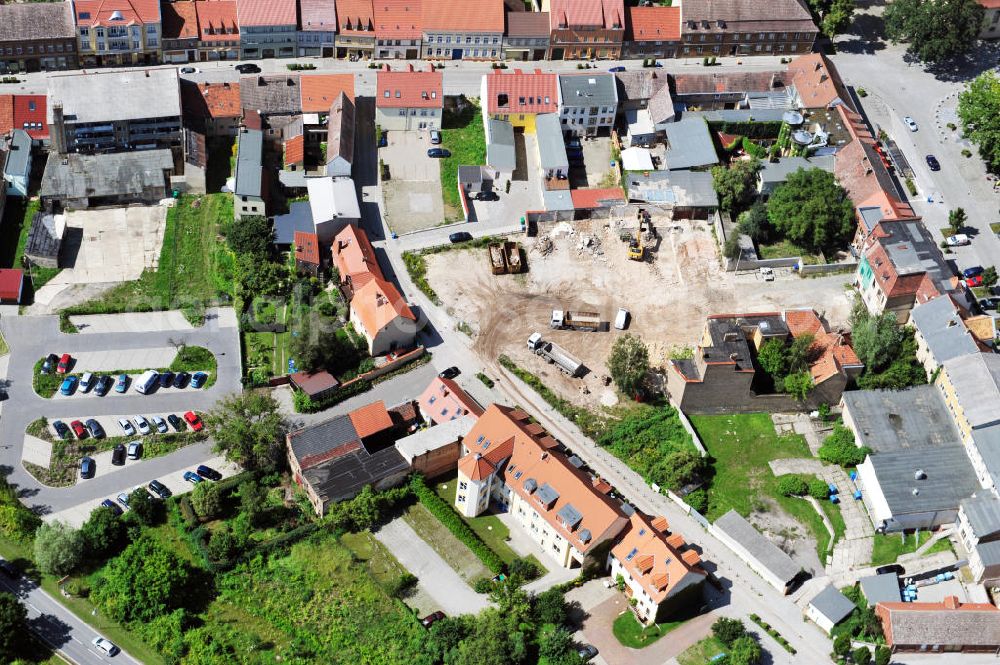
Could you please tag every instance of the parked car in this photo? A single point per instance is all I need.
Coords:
(108, 503)
(460, 236)
(159, 489)
(143, 425)
(188, 70)
(891, 568)
(135, 450)
(975, 280)
(989, 303)
(166, 379)
(957, 240)
(933, 163)
(10, 570)
(160, 424)
(450, 373)
(95, 429)
(61, 429)
(87, 467)
(435, 137)
(68, 385)
(194, 421)
(121, 384)
(487, 196)
(616, 69)
(910, 123)
(102, 385)
(193, 477)
(49, 363)
(126, 426)
(175, 422)
(208, 472)
(86, 382)
(181, 379)
(198, 379)
(123, 499)
(574, 143)
(432, 618)
(105, 646)
(64, 363)
(621, 318)
(118, 455)
(438, 153)
(972, 272)
(78, 429)
(587, 651)
(248, 68)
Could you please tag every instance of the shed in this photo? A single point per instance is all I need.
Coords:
(315, 384)
(689, 144)
(500, 152)
(637, 159)
(828, 608)
(641, 130)
(764, 557)
(11, 286)
(552, 157)
(45, 239)
(882, 588)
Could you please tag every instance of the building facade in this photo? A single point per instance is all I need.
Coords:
(268, 28)
(409, 99)
(653, 32)
(739, 28)
(586, 29)
(397, 29)
(355, 29)
(470, 30)
(519, 97)
(588, 103)
(218, 30)
(37, 37)
(527, 36)
(317, 28)
(128, 34)
(180, 31)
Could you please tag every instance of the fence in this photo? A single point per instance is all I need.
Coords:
(694, 435)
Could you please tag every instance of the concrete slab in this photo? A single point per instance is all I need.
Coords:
(137, 322)
(413, 194)
(36, 451)
(139, 359)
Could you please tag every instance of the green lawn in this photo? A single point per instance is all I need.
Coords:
(633, 634)
(455, 553)
(890, 546)
(784, 249)
(702, 652)
(461, 134)
(382, 565)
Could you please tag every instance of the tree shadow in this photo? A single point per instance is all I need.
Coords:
(982, 57)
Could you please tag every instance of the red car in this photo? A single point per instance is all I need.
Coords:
(194, 421)
(975, 280)
(63, 365)
(78, 429)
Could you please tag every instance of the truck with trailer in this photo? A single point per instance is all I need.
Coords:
(563, 319)
(555, 354)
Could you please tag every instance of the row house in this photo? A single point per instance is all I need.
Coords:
(409, 99)
(397, 29)
(653, 32)
(118, 32)
(26, 112)
(586, 29)
(587, 103)
(212, 108)
(317, 28)
(469, 30)
(268, 28)
(519, 98)
(218, 30)
(37, 37)
(527, 36)
(180, 32)
(739, 28)
(355, 29)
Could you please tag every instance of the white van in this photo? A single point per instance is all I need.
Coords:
(146, 382)
(621, 319)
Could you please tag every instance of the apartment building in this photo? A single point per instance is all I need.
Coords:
(118, 32)
(218, 30)
(519, 97)
(37, 37)
(585, 29)
(268, 28)
(355, 29)
(468, 30)
(588, 103)
(397, 29)
(740, 28)
(409, 99)
(652, 32)
(317, 28)
(527, 36)
(979, 531)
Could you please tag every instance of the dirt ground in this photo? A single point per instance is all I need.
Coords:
(788, 533)
(668, 295)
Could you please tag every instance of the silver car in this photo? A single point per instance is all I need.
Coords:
(105, 646)
(143, 425)
(126, 426)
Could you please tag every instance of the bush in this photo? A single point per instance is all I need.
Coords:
(524, 569)
(206, 499)
(840, 448)
(792, 486)
(482, 585)
(842, 645)
(861, 656)
(697, 499)
(58, 548)
(454, 523)
(819, 490)
(883, 655)
(402, 585)
(728, 630)
(487, 381)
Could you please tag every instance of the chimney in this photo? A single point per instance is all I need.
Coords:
(951, 602)
(58, 129)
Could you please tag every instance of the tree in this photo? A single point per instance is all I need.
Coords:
(253, 500)
(837, 17)
(628, 363)
(773, 359)
(841, 448)
(744, 651)
(13, 626)
(883, 655)
(256, 276)
(144, 582)
(957, 219)
(800, 353)
(798, 385)
(842, 645)
(144, 507)
(249, 236)
(934, 30)
(754, 223)
(103, 533)
(206, 499)
(875, 337)
(989, 276)
(555, 645)
(812, 210)
(861, 656)
(792, 485)
(492, 638)
(979, 111)
(222, 545)
(249, 428)
(728, 630)
(550, 607)
(683, 467)
(58, 548)
(736, 185)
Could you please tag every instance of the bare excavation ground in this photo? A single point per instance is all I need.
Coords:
(582, 266)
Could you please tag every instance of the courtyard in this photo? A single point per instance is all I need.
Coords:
(412, 193)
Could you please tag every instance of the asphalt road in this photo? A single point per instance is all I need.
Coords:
(58, 627)
(31, 338)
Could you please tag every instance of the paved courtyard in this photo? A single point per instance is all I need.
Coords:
(412, 194)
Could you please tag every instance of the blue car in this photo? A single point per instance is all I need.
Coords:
(198, 379)
(108, 503)
(121, 385)
(68, 386)
(87, 467)
(192, 477)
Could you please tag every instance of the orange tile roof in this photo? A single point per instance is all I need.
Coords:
(397, 19)
(592, 13)
(831, 352)
(180, 20)
(478, 465)
(295, 150)
(654, 24)
(354, 257)
(306, 247)
(6, 114)
(526, 92)
(817, 81)
(803, 322)
(371, 419)
(660, 523)
(221, 100)
(409, 88)
(353, 14)
(588, 199)
(320, 91)
(464, 16)
(379, 304)
(217, 20)
(92, 13)
(444, 400)
(653, 560)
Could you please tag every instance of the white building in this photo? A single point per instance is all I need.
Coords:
(409, 99)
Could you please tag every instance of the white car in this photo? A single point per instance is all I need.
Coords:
(86, 382)
(106, 646)
(160, 424)
(957, 240)
(909, 122)
(126, 426)
(621, 318)
(143, 425)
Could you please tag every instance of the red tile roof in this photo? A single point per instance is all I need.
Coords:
(397, 19)
(213, 100)
(606, 14)
(354, 257)
(378, 304)
(10, 284)
(653, 562)
(295, 150)
(29, 115)
(528, 24)
(266, 12)
(313, 383)
(370, 419)
(306, 247)
(463, 16)
(444, 400)
(532, 92)
(588, 199)
(831, 352)
(92, 13)
(989, 4)
(180, 20)
(409, 89)
(354, 13)
(6, 114)
(319, 91)
(817, 81)
(654, 24)
(217, 20)
(318, 15)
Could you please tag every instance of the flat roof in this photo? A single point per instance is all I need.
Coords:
(760, 548)
(976, 379)
(333, 198)
(588, 89)
(551, 147)
(684, 189)
(689, 144)
(128, 94)
(983, 513)
(111, 174)
(891, 420)
(432, 438)
(948, 478)
(882, 588)
(249, 163)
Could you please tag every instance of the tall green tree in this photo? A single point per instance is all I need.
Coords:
(753, 222)
(103, 533)
(58, 548)
(934, 30)
(628, 363)
(143, 507)
(249, 235)
(957, 219)
(249, 428)
(13, 626)
(144, 582)
(979, 111)
(744, 651)
(876, 338)
(837, 16)
(736, 185)
(206, 499)
(772, 358)
(728, 630)
(812, 210)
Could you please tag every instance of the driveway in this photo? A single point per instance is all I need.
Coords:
(435, 576)
(413, 192)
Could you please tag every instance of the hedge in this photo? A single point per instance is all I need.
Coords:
(779, 638)
(447, 516)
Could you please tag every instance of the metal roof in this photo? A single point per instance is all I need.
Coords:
(882, 588)
(18, 161)
(500, 153)
(760, 548)
(569, 515)
(323, 437)
(249, 163)
(685, 189)
(116, 174)
(298, 218)
(333, 198)
(983, 513)
(546, 493)
(832, 604)
(948, 478)
(943, 329)
(551, 147)
(345, 476)
(128, 94)
(588, 90)
(891, 420)
(689, 144)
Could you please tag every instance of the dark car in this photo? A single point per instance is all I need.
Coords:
(933, 163)
(972, 272)
(208, 472)
(115, 508)
(95, 429)
(985, 303)
(616, 69)
(10, 570)
(61, 429)
(159, 489)
(103, 385)
(460, 236)
(166, 379)
(198, 379)
(188, 70)
(432, 618)
(50, 363)
(193, 477)
(438, 153)
(118, 455)
(574, 143)
(587, 651)
(248, 68)
(175, 422)
(450, 373)
(87, 467)
(487, 196)
(181, 379)
(891, 568)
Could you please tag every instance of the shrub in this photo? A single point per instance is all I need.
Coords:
(454, 523)
(697, 499)
(911, 187)
(792, 486)
(966, 152)
(861, 92)
(842, 645)
(861, 656)
(883, 655)
(818, 489)
(524, 569)
(58, 548)
(487, 381)
(728, 630)
(402, 584)
(840, 448)
(482, 585)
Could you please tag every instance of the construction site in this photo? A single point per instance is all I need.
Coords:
(667, 273)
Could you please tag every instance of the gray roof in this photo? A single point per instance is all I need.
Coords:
(322, 437)
(44, 236)
(949, 478)
(340, 130)
(912, 249)
(346, 475)
(832, 604)
(763, 550)
(249, 163)
(274, 94)
(987, 442)
(129, 94)
(298, 218)
(112, 174)
(588, 89)
(639, 84)
(18, 161)
(989, 553)
(686, 189)
(983, 513)
(432, 438)
(915, 625)
(976, 378)
(891, 420)
(738, 115)
(551, 147)
(776, 172)
(882, 588)
(470, 174)
(661, 107)
(547, 494)
(500, 153)
(557, 199)
(943, 329)
(689, 144)
(36, 20)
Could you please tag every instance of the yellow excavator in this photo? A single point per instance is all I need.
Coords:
(637, 247)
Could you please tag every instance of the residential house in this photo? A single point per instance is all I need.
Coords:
(340, 137)
(180, 31)
(268, 28)
(941, 333)
(949, 626)
(991, 19)
(689, 144)
(434, 451)
(271, 95)
(637, 87)
(334, 205)
(970, 386)
(294, 153)
(527, 36)
(16, 163)
(586, 29)
(828, 608)
(320, 91)
(519, 97)
(118, 178)
(739, 28)
(730, 90)
(513, 462)
(37, 37)
(218, 30)
(27, 112)
(444, 400)
(250, 189)
(409, 99)
(662, 575)
(817, 83)
(317, 28)
(398, 29)
(212, 108)
(979, 531)
(88, 113)
(354, 258)
(764, 557)
(118, 32)
(317, 385)
(652, 32)
(588, 103)
(307, 256)
(467, 30)
(355, 29)
(11, 286)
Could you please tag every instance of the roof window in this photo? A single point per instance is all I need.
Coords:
(632, 554)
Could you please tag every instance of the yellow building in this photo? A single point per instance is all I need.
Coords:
(519, 97)
(970, 385)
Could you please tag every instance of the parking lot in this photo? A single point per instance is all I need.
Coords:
(525, 188)
(413, 192)
(596, 170)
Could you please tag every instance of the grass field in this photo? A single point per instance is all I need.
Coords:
(456, 553)
(381, 564)
(461, 134)
(633, 634)
(702, 652)
(890, 546)
(784, 249)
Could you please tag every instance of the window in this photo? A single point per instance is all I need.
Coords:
(463, 485)
(461, 498)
